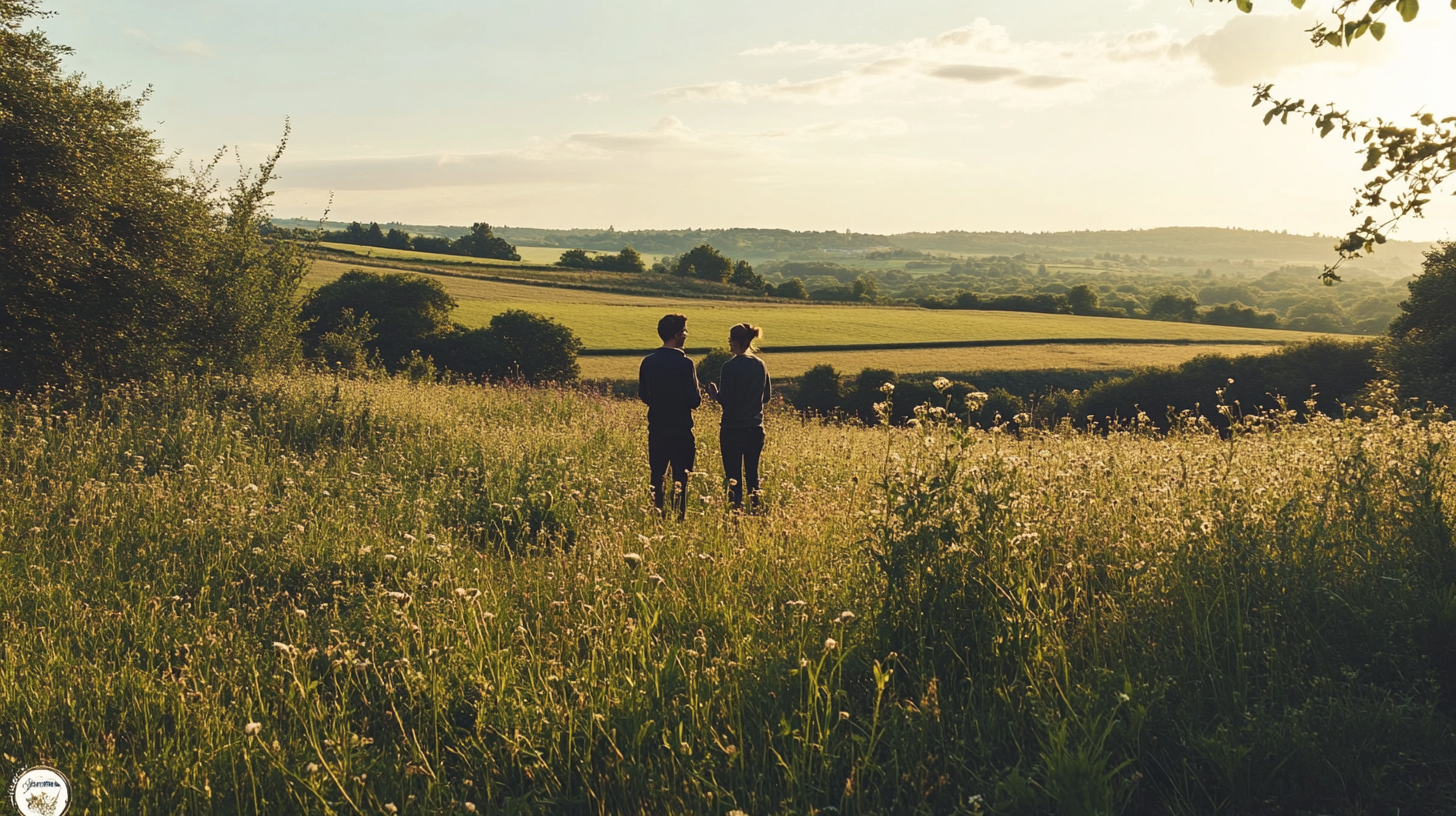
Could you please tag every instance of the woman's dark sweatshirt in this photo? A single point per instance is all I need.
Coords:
(743, 388)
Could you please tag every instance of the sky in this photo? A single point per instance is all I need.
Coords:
(917, 115)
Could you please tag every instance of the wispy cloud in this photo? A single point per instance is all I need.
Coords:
(851, 129)
(185, 48)
(984, 61)
(667, 149)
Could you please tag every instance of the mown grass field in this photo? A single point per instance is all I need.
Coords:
(529, 255)
(298, 595)
(1032, 357)
(605, 320)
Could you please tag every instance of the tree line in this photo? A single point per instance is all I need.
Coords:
(480, 242)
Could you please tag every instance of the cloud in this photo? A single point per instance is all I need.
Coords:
(984, 61)
(186, 48)
(1255, 47)
(593, 98)
(976, 73)
(570, 159)
(818, 51)
(852, 129)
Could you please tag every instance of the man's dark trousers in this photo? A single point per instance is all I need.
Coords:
(675, 449)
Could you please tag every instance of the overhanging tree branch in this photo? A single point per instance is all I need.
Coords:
(1408, 163)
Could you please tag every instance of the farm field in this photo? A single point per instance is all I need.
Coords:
(610, 321)
(313, 596)
(529, 255)
(1030, 357)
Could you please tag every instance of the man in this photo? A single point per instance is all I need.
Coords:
(668, 383)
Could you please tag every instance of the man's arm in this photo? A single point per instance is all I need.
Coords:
(694, 397)
(643, 392)
(767, 386)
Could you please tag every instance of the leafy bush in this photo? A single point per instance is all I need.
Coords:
(407, 310)
(1421, 352)
(710, 368)
(819, 390)
(482, 242)
(628, 260)
(111, 267)
(1329, 371)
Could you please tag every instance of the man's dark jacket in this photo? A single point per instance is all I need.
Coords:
(668, 383)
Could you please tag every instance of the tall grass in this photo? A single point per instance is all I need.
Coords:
(302, 595)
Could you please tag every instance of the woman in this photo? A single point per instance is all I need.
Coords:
(744, 390)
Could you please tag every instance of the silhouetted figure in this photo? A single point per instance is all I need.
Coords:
(668, 383)
(743, 389)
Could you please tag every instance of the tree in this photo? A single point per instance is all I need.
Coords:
(1083, 299)
(397, 239)
(819, 390)
(1237, 314)
(430, 243)
(706, 263)
(1421, 351)
(1408, 163)
(793, 288)
(710, 368)
(111, 267)
(744, 276)
(533, 348)
(1173, 307)
(630, 260)
(353, 234)
(373, 236)
(481, 242)
(575, 259)
(867, 392)
(865, 288)
(407, 310)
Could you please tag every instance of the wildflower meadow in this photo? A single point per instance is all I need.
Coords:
(313, 595)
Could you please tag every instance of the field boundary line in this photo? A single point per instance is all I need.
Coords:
(954, 344)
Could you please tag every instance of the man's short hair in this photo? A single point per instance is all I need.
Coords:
(671, 326)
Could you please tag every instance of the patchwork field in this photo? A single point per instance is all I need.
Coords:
(529, 255)
(610, 321)
(1029, 357)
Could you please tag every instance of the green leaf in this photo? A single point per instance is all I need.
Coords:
(1408, 9)
(1246, 6)
(1377, 30)
(1297, 3)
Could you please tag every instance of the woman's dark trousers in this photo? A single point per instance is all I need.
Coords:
(742, 448)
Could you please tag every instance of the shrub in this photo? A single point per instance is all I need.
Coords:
(532, 348)
(111, 268)
(819, 390)
(1421, 352)
(710, 368)
(407, 310)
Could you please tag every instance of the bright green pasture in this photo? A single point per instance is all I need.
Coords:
(605, 320)
(1031, 357)
(310, 596)
(529, 255)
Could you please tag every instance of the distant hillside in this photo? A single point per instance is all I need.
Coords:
(1195, 244)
